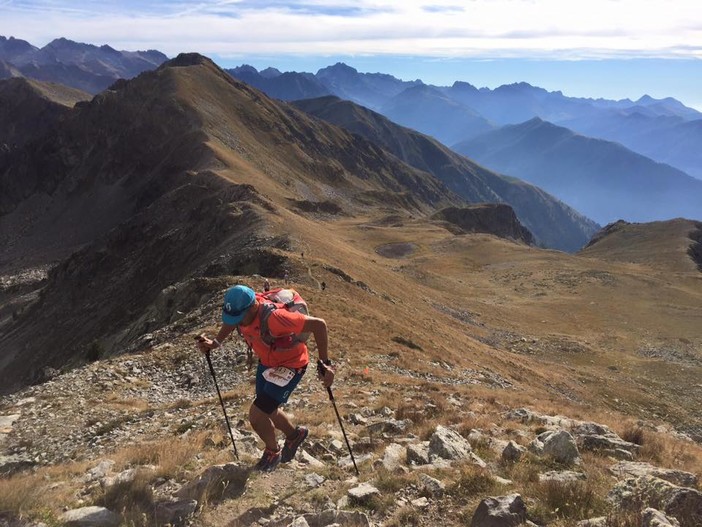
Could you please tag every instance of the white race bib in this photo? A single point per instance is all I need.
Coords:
(279, 376)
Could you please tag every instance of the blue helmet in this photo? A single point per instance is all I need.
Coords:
(237, 300)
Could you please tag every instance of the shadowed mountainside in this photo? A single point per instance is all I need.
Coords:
(553, 223)
(491, 218)
(149, 183)
(28, 108)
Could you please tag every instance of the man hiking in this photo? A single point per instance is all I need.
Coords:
(283, 359)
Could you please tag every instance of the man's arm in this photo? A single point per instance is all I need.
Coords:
(318, 328)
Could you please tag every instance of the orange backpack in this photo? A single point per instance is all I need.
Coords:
(290, 300)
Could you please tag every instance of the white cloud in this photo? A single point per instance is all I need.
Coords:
(439, 28)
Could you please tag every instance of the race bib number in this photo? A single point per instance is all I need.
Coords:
(279, 376)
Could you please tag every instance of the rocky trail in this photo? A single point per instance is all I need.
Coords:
(140, 440)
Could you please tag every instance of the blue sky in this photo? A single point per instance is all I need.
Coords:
(596, 48)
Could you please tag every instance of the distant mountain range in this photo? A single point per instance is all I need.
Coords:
(662, 130)
(82, 66)
(601, 179)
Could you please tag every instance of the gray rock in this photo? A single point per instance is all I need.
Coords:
(600, 521)
(683, 503)
(635, 469)
(90, 517)
(431, 486)
(502, 511)
(99, 472)
(314, 480)
(394, 454)
(655, 518)
(447, 444)
(418, 453)
(562, 476)
(609, 444)
(216, 482)
(15, 463)
(300, 521)
(477, 460)
(558, 444)
(174, 513)
(513, 452)
(420, 503)
(308, 459)
(362, 493)
(327, 519)
(357, 419)
(389, 427)
(522, 415)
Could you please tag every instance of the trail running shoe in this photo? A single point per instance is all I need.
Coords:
(269, 460)
(291, 445)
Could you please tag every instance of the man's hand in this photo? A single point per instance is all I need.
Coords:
(204, 344)
(325, 372)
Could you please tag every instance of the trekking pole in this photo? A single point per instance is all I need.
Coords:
(331, 398)
(221, 401)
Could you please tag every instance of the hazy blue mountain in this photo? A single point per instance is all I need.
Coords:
(15, 49)
(287, 86)
(82, 66)
(552, 222)
(664, 137)
(429, 111)
(371, 90)
(603, 180)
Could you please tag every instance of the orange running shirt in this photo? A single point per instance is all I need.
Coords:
(281, 322)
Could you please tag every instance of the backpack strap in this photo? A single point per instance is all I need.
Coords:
(266, 308)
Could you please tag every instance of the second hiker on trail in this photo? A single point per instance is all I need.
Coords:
(277, 335)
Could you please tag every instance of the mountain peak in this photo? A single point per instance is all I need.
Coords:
(270, 73)
(188, 59)
(338, 69)
(464, 86)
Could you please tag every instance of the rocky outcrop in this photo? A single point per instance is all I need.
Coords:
(490, 218)
(682, 503)
(501, 511)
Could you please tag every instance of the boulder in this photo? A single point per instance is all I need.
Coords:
(90, 517)
(174, 513)
(418, 453)
(683, 503)
(513, 452)
(654, 518)
(431, 486)
(636, 469)
(393, 457)
(447, 444)
(559, 445)
(562, 476)
(362, 493)
(502, 511)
